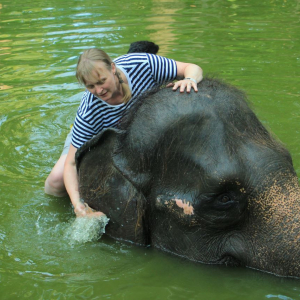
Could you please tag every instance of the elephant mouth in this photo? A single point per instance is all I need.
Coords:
(230, 261)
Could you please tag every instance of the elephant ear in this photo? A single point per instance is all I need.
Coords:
(104, 188)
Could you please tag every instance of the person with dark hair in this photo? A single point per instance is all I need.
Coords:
(143, 46)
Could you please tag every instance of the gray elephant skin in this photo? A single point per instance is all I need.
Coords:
(199, 176)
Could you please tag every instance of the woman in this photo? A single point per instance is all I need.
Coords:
(111, 87)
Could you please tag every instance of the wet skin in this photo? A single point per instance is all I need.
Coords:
(199, 176)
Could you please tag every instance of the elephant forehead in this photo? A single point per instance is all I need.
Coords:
(175, 201)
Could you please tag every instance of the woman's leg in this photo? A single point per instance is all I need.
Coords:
(54, 184)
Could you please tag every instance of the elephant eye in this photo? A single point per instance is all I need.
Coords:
(225, 199)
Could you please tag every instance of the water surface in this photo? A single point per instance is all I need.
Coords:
(251, 44)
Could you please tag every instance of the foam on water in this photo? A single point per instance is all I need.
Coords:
(86, 229)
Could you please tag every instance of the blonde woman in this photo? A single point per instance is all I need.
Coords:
(111, 87)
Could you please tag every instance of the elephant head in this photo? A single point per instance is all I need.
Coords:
(197, 175)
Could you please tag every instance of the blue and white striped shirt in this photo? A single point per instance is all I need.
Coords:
(143, 72)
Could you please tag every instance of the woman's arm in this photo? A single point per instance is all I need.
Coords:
(189, 75)
(71, 183)
(71, 180)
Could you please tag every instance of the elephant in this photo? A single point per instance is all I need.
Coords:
(197, 175)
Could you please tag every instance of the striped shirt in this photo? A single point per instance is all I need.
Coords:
(143, 72)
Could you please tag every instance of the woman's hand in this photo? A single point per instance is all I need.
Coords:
(83, 210)
(191, 74)
(185, 83)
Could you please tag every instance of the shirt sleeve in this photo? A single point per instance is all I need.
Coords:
(82, 129)
(163, 69)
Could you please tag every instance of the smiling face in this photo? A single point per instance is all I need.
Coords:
(103, 84)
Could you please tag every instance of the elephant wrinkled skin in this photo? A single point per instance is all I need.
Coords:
(197, 175)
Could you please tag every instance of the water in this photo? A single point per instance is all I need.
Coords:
(251, 44)
(86, 229)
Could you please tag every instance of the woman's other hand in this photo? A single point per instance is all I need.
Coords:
(184, 84)
(188, 76)
(83, 210)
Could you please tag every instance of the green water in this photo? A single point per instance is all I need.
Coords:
(251, 44)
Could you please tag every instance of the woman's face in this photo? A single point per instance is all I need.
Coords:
(103, 84)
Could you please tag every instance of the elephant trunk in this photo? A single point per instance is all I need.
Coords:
(274, 233)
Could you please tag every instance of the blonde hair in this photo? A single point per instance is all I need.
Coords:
(86, 64)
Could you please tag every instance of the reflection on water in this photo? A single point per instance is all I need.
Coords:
(43, 251)
(161, 24)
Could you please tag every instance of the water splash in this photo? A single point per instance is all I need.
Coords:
(86, 229)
